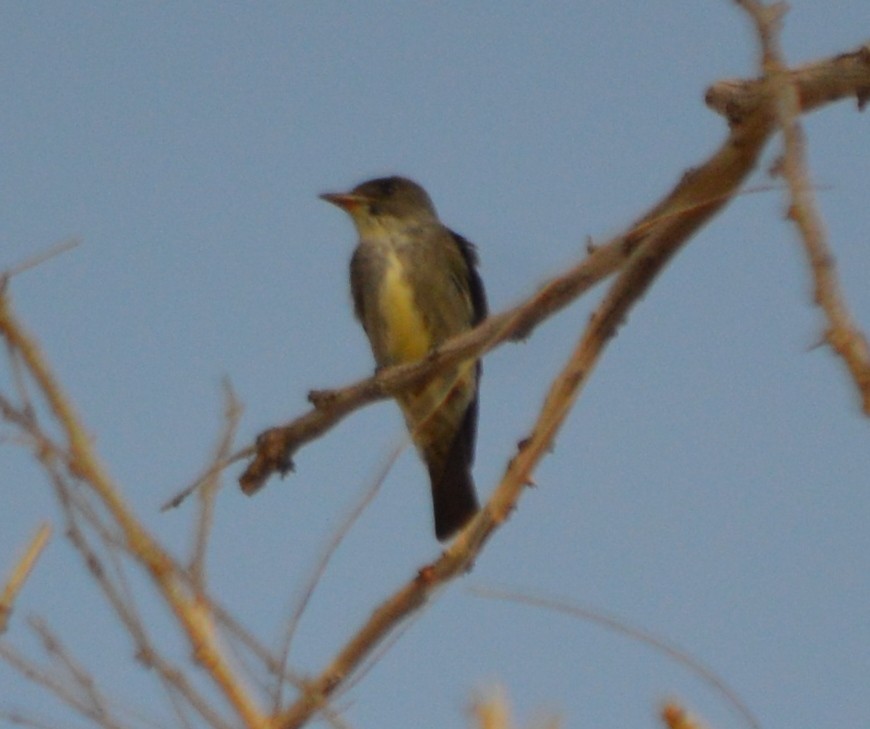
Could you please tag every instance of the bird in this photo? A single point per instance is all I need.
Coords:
(415, 284)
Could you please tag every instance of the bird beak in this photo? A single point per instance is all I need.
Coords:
(345, 200)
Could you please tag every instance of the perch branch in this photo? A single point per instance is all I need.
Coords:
(694, 201)
(744, 103)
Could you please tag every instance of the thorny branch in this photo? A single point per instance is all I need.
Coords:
(699, 195)
(847, 73)
(745, 104)
(694, 201)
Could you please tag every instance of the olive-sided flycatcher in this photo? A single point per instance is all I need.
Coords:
(415, 284)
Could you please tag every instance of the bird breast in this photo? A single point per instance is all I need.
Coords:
(407, 332)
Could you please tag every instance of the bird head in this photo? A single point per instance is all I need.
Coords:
(386, 202)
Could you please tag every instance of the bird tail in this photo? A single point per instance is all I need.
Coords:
(454, 501)
(453, 497)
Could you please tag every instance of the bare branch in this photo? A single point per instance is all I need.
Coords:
(19, 719)
(842, 334)
(78, 679)
(175, 682)
(21, 571)
(43, 677)
(620, 626)
(748, 105)
(788, 93)
(694, 201)
(755, 110)
(113, 581)
(40, 258)
(320, 567)
(232, 414)
(82, 461)
(275, 447)
(816, 84)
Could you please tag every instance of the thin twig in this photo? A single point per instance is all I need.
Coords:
(617, 625)
(320, 566)
(205, 519)
(214, 469)
(24, 720)
(79, 679)
(116, 590)
(40, 258)
(42, 677)
(83, 462)
(21, 571)
(117, 593)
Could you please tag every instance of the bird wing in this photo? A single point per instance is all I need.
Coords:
(360, 264)
(468, 251)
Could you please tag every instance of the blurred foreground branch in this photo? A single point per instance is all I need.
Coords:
(21, 571)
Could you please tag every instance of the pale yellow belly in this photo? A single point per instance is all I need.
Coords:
(407, 335)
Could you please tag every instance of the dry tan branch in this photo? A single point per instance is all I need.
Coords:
(842, 334)
(674, 716)
(655, 239)
(816, 84)
(275, 447)
(21, 571)
(788, 93)
(648, 246)
(208, 492)
(492, 711)
(620, 626)
(748, 105)
(82, 462)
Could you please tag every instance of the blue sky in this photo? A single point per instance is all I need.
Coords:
(711, 485)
